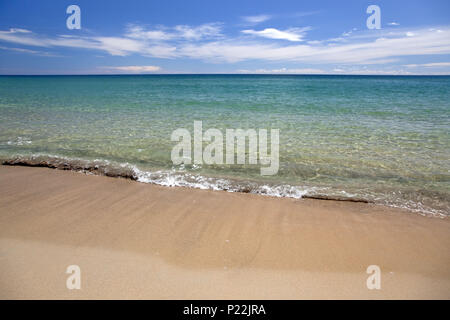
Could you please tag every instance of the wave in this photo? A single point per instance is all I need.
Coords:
(181, 178)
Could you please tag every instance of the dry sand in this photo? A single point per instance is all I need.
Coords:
(134, 240)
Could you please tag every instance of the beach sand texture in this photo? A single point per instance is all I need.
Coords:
(135, 240)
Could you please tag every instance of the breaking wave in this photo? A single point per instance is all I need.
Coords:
(178, 177)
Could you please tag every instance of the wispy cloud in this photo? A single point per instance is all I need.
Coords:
(398, 72)
(18, 30)
(354, 71)
(371, 50)
(393, 24)
(293, 34)
(116, 46)
(138, 32)
(429, 65)
(28, 51)
(283, 71)
(179, 32)
(256, 19)
(133, 69)
(348, 33)
(210, 30)
(206, 42)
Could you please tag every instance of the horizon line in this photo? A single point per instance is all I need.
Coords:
(235, 74)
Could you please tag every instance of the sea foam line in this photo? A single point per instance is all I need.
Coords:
(181, 178)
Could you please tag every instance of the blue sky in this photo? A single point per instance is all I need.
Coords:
(306, 37)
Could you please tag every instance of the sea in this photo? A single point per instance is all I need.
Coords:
(377, 139)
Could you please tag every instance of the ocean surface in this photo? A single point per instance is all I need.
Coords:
(384, 139)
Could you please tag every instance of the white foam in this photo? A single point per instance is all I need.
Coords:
(179, 177)
(20, 141)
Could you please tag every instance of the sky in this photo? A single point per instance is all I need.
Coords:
(228, 36)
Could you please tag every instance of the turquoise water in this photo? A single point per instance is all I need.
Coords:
(381, 138)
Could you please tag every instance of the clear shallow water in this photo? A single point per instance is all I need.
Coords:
(384, 139)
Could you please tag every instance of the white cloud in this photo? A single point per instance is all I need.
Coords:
(205, 42)
(22, 50)
(18, 49)
(393, 24)
(134, 69)
(429, 65)
(351, 71)
(17, 36)
(373, 72)
(116, 46)
(256, 19)
(362, 52)
(209, 30)
(293, 34)
(18, 30)
(348, 33)
(179, 32)
(283, 71)
(119, 46)
(137, 32)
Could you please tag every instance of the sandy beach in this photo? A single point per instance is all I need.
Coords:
(136, 240)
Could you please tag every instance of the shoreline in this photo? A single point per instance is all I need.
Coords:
(129, 174)
(135, 240)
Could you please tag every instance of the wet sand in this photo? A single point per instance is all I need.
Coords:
(135, 240)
